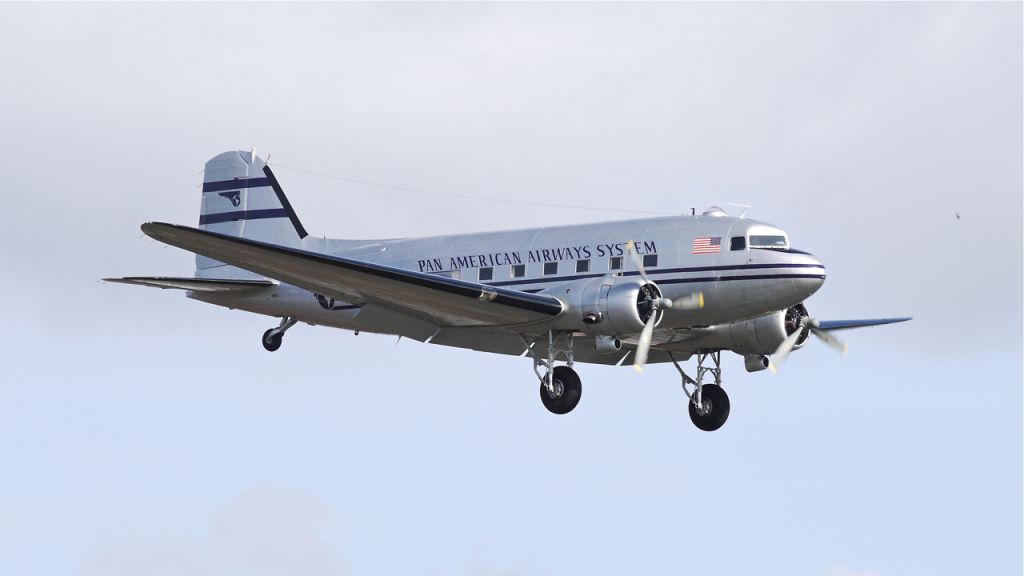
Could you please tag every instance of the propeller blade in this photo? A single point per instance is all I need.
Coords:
(833, 342)
(637, 260)
(644, 344)
(693, 301)
(790, 342)
(784, 349)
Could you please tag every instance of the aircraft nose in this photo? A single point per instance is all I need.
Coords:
(809, 274)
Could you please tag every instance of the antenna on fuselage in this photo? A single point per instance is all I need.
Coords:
(744, 206)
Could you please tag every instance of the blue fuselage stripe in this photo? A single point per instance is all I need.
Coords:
(238, 184)
(810, 274)
(743, 277)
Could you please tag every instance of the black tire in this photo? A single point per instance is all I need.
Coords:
(568, 390)
(717, 400)
(272, 341)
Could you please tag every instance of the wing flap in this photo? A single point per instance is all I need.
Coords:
(443, 301)
(193, 284)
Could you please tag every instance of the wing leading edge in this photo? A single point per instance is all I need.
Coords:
(443, 301)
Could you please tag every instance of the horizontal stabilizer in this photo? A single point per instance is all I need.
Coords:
(193, 284)
(847, 324)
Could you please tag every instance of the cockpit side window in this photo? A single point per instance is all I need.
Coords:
(768, 241)
(738, 243)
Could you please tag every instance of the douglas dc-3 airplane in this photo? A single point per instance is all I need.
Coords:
(636, 291)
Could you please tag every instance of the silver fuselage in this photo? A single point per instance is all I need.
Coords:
(737, 284)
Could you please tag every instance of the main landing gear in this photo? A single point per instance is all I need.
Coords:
(709, 404)
(272, 338)
(560, 387)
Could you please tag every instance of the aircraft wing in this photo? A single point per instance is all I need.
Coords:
(442, 301)
(830, 325)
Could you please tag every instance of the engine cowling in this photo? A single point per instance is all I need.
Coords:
(609, 306)
(761, 335)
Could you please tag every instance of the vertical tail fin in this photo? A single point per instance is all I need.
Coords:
(241, 197)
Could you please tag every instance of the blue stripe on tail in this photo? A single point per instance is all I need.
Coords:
(242, 215)
(235, 184)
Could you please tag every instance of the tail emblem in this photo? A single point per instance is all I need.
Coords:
(234, 197)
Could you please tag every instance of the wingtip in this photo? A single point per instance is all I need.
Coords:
(148, 227)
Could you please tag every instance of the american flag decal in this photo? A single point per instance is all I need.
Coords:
(707, 245)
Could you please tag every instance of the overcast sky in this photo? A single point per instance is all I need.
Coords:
(143, 433)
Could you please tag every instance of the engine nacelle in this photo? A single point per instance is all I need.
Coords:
(760, 336)
(608, 306)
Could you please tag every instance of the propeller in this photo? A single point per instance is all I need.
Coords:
(657, 302)
(644, 344)
(812, 324)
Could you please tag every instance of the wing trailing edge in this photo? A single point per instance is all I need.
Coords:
(193, 284)
(443, 301)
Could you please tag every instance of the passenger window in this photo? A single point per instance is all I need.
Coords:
(583, 265)
(550, 268)
(738, 243)
(518, 270)
(486, 274)
(615, 263)
(650, 260)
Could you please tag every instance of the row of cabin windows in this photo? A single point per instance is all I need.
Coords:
(551, 268)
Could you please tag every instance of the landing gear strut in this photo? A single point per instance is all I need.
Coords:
(560, 387)
(709, 404)
(272, 338)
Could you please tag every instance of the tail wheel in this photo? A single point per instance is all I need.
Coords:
(565, 393)
(714, 409)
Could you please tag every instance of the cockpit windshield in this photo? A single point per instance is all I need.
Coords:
(768, 241)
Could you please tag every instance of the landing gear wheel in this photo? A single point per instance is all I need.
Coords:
(272, 340)
(566, 393)
(715, 409)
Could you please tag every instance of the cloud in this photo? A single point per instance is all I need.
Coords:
(264, 532)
